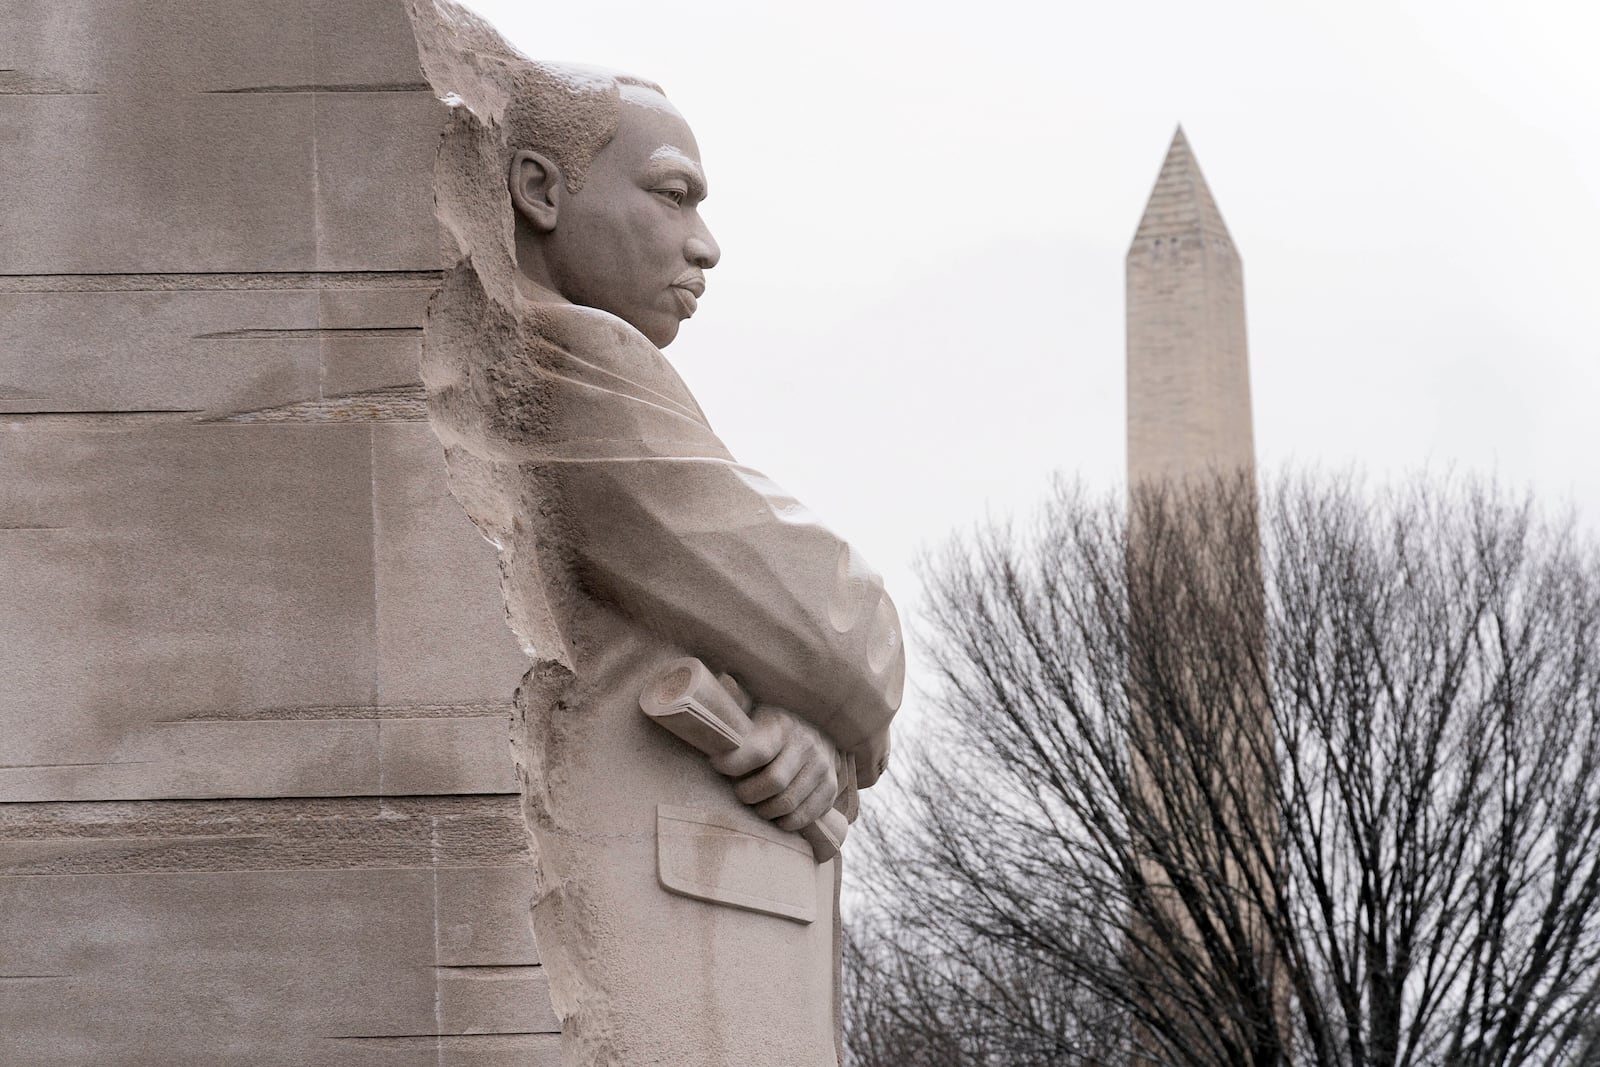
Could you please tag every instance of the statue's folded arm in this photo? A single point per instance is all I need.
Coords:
(718, 558)
(658, 519)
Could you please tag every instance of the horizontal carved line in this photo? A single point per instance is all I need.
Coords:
(110, 814)
(396, 403)
(217, 280)
(525, 972)
(150, 840)
(315, 331)
(55, 766)
(328, 87)
(14, 82)
(94, 418)
(359, 711)
(454, 1038)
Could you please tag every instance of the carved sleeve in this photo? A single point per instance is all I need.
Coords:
(566, 424)
(721, 560)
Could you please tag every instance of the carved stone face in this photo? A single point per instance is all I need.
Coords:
(631, 241)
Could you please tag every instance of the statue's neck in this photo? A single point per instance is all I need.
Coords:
(534, 282)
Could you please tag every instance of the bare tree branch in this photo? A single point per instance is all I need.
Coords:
(1310, 778)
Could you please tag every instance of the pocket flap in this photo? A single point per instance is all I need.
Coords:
(745, 864)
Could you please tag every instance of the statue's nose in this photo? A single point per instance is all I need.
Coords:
(702, 249)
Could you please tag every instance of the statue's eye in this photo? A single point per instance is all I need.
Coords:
(677, 196)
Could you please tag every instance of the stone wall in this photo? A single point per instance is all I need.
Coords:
(256, 800)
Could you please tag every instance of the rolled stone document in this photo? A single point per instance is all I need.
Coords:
(688, 700)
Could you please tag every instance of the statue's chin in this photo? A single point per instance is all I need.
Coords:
(660, 334)
(659, 328)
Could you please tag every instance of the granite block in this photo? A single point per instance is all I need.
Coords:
(441, 631)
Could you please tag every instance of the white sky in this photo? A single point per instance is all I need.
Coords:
(923, 210)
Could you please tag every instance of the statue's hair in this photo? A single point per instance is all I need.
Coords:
(567, 113)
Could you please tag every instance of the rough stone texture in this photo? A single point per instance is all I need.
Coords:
(677, 925)
(256, 932)
(257, 804)
(1188, 368)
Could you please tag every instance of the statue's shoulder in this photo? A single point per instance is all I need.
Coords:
(597, 348)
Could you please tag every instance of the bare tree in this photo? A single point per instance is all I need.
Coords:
(1327, 793)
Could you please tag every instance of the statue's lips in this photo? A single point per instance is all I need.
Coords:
(688, 290)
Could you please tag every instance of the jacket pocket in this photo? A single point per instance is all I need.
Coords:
(739, 863)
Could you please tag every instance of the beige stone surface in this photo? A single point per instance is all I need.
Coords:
(200, 933)
(120, 343)
(196, 102)
(485, 906)
(224, 568)
(432, 649)
(257, 804)
(1188, 363)
(640, 974)
(216, 46)
(144, 351)
(185, 201)
(682, 918)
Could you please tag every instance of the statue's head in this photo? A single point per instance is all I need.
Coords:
(606, 184)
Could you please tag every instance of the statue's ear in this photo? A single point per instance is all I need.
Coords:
(536, 189)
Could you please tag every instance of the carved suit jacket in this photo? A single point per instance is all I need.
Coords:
(654, 515)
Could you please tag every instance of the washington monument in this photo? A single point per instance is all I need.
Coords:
(1191, 446)
(1188, 370)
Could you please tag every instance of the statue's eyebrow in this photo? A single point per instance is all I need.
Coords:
(670, 161)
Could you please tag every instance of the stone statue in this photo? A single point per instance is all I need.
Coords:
(681, 917)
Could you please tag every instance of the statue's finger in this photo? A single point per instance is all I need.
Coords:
(811, 808)
(795, 793)
(758, 749)
(772, 779)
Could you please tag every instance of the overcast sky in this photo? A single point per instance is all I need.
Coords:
(924, 207)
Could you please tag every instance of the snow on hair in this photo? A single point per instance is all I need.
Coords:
(569, 111)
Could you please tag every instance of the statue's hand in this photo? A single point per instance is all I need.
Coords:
(785, 769)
